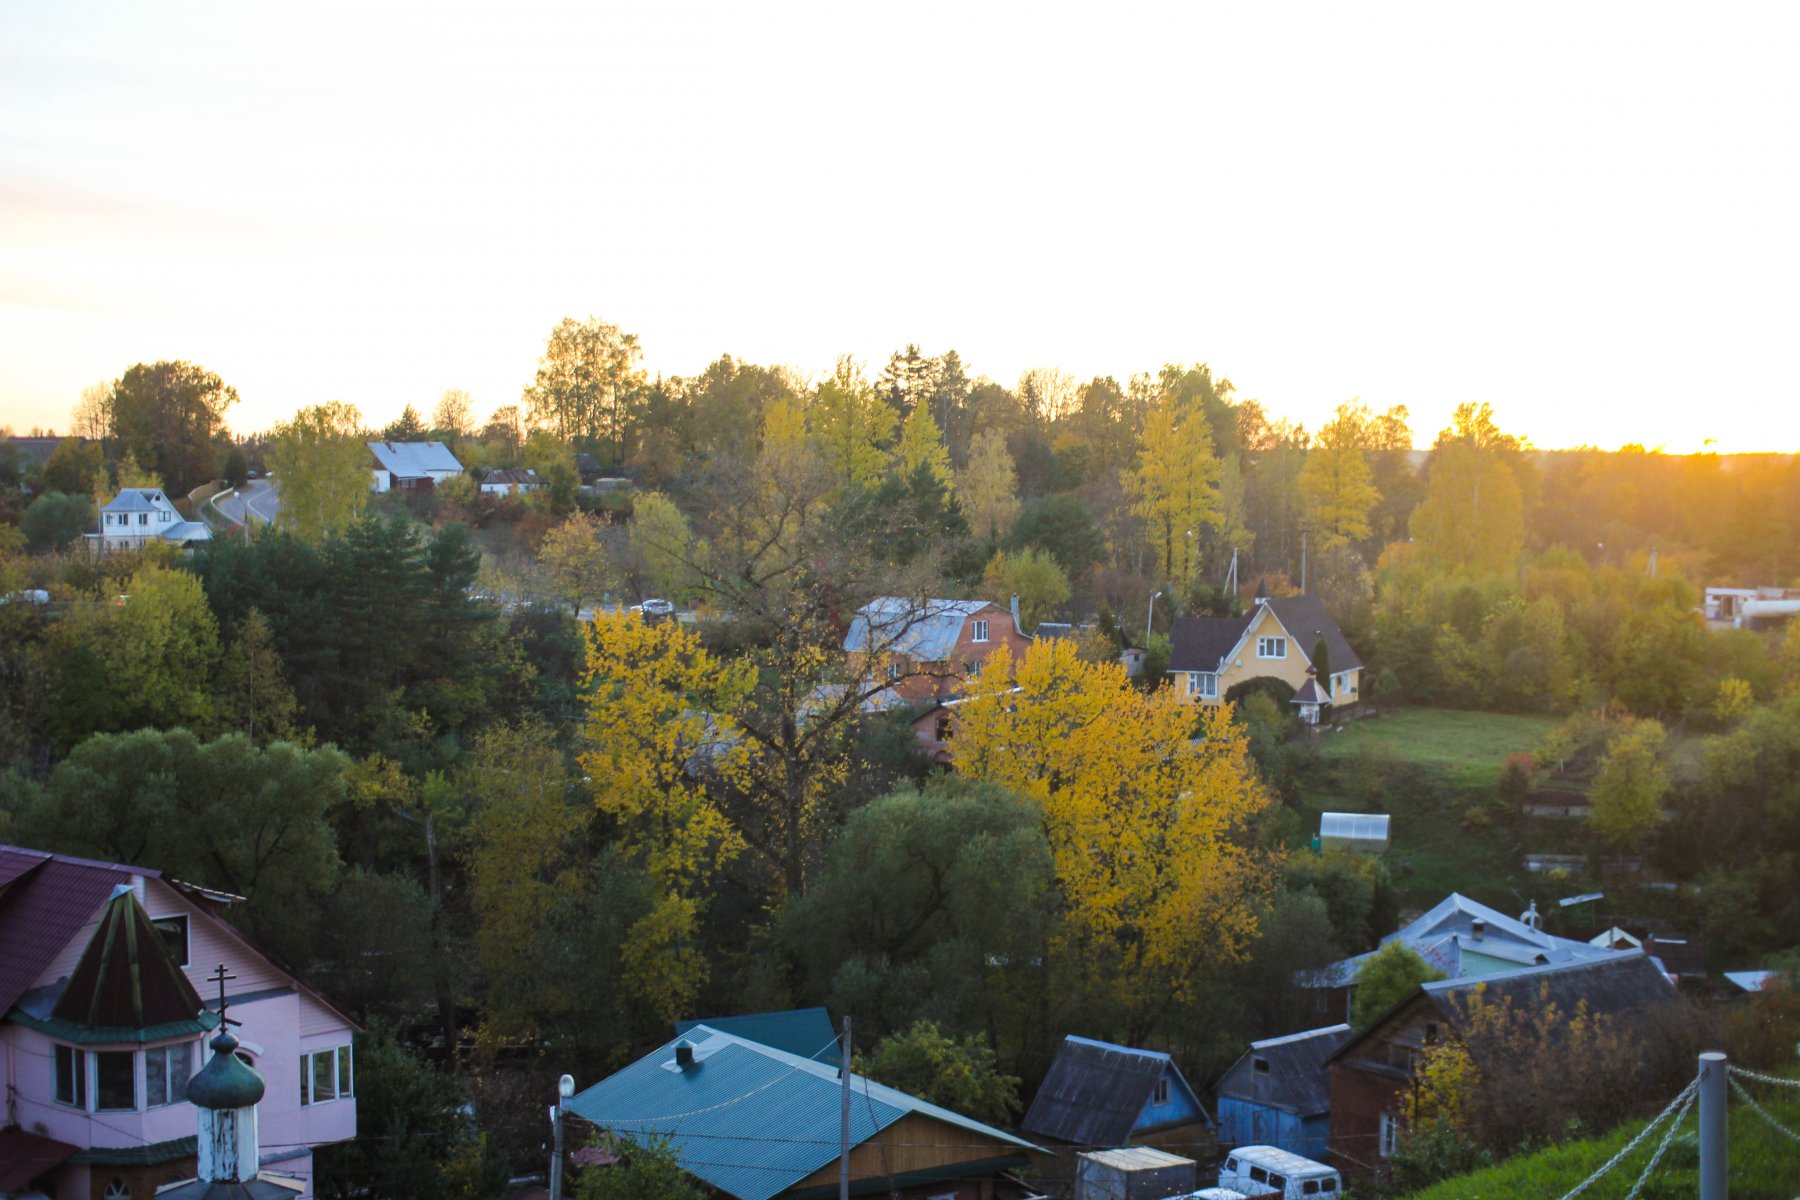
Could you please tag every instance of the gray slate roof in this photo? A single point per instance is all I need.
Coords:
(752, 1120)
(1095, 1091)
(414, 460)
(137, 500)
(925, 630)
(1296, 1080)
(1198, 643)
(1443, 935)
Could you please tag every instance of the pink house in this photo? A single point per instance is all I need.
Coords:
(108, 991)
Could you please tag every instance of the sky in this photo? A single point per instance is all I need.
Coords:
(1582, 214)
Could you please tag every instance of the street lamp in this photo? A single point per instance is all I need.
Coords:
(1149, 613)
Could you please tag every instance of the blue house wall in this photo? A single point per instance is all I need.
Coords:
(1181, 1107)
(1244, 1123)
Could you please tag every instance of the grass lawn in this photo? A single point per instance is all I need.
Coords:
(1762, 1162)
(1468, 748)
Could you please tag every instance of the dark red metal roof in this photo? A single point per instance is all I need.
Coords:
(44, 902)
(126, 977)
(25, 1156)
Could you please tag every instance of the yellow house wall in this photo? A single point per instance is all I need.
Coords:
(1245, 665)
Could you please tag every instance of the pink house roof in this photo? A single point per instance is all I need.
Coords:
(45, 901)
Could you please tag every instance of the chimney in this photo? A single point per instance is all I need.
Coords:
(1478, 929)
(1015, 612)
(684, 1054)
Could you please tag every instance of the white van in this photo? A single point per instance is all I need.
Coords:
(1270, 1171)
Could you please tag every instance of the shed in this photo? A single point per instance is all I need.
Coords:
(1134, 1173)
(1279, 1093)
(1101, 1094)
(1367, 832)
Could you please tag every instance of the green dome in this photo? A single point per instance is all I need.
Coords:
(227, 1081)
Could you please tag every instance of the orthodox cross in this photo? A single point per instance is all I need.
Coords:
(219, 977)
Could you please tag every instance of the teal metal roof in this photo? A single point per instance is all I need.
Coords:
(747, 1118)
(803, 1031)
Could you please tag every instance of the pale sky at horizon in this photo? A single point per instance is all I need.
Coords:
(1583, 214)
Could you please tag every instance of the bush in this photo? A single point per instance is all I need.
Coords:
(56, 521)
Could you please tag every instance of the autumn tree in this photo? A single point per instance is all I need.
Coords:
(1472, 518)
(988, 488)
(322, 465)
(407, 427)
(573, 560)
(660, 744)
(167, 416)
(661, 545)
(505, 430)
(1144, 820)
(454, 414)
(72, 468)
(1031, 575)
(1336, 479)
(922, 445)
(586, 382)
(1628, 790)
(854, 427)
(1175, 486)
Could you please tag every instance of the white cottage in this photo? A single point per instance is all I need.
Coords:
(137, 516)
(408, 465)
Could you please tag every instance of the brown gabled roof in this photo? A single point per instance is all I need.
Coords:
(45, 901)
(1305, 618)
(1198, 643)
(126, 978)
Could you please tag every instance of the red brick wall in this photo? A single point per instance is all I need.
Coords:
(1358, 1098)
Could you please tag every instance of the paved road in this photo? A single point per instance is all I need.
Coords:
(259, 499)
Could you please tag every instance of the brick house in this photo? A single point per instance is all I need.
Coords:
(926, 649)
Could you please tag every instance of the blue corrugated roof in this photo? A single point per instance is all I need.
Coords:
(747, 1118)
(803, 1031)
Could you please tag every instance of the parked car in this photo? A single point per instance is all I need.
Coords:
(1271, 1171)
(656, 610)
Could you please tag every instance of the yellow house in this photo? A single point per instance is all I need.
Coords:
(1208, 656)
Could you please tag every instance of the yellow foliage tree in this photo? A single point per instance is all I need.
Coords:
(853, 426)
(658, 735)
(1472, 517)
(988, 488)
(1141, 816)
(1336, 480)
(1176, 486)
(922, 445)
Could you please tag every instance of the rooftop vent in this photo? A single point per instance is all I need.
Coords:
(1478, 929)
(684, 1054)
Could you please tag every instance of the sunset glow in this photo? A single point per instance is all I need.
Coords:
(1583, 216)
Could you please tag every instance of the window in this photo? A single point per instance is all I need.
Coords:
(1260, 1066)
(1310, 1188)
(975, 669)
(1161, 1094)
(174, 930)
(167, 1070)
(1203, 683)
(71, 1076)
(326, 1075)
(943, 729)
(115, 1080)
(1258, 1175)
(1390, 1135)
(1231, 1164)
(1328, 1186)
(143, 518)
(1431, 1032)
(1278, 1182)
(118, 1189)
(893, 671)
(980, 633)
(1271, 647)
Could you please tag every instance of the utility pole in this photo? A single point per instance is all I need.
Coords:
(565, 1087)
(1149, 615)
(1713, 1182)
(1303, 561)
(844, 1127)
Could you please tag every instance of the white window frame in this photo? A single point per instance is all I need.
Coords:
(171, 1084)
(343, 1074)
(78, 1076)
(137, 1081)
(1271, 646)
(1160, 1094)
(1388, 1140)
(979, 632)
(1204, 684)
